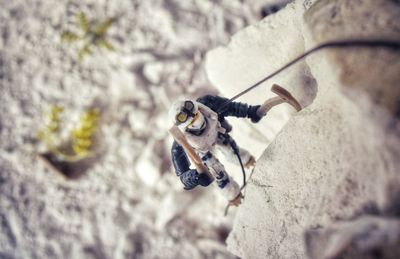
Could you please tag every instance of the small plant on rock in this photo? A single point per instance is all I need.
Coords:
(82, 136)
(92, 35)
(63, 154)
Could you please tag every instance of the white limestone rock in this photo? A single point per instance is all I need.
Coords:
(153, 72)
(334, 155)
(148, 166)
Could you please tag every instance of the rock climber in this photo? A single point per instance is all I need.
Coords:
(206, 130)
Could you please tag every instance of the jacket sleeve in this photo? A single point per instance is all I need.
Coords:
(189, 177)
(179, 159)
(236, 109)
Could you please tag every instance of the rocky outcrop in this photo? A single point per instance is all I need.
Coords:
(341, 151)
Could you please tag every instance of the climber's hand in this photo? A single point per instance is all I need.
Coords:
(204, 179)
(253, 115)
(190, 179)
(236, 201)
(251, 162)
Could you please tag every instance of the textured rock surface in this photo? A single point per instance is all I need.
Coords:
(129, 203)
(365, 237)
(337, 153)
(374, 71)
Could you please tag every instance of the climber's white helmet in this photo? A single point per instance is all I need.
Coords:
(186, 115)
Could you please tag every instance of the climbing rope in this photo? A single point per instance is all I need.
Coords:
(386, 43)
(235, 148)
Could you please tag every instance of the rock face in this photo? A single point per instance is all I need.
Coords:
(372, 71)
(342, 150)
